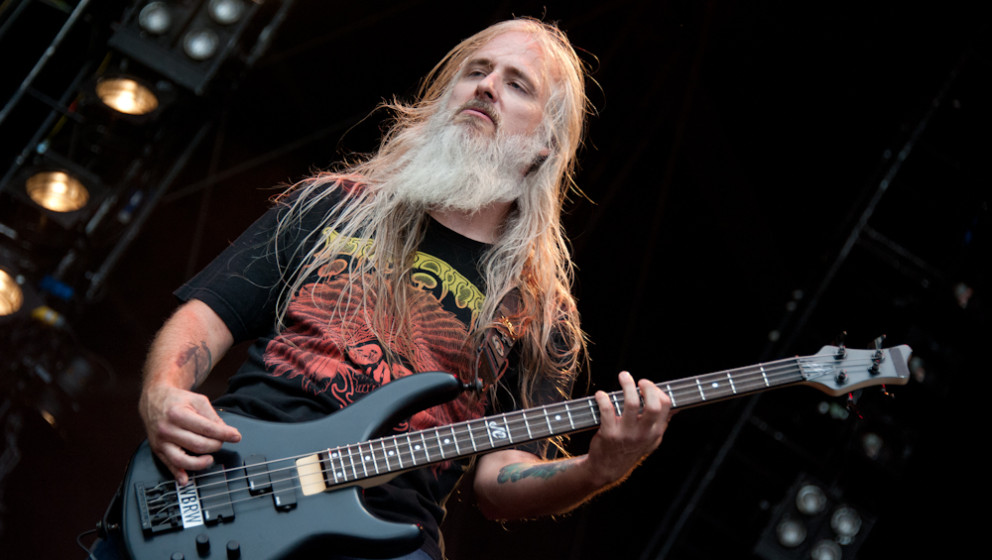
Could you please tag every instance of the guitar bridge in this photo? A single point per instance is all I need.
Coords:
(168, 506)
(158, 508)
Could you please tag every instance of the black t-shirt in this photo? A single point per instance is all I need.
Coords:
(320, 363)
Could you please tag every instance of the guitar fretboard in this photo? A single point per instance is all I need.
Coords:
(393, 454)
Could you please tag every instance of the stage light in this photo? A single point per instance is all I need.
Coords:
(226, 12)
(57, 191)
(155, 18)
(126, 95)
(846, 522)
(791, 532)
(810, 499)
(73, 377)
(826, 550)
(200, 44)
(11, 295)
(203, 40)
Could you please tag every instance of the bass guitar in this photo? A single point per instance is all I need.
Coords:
(288, 488)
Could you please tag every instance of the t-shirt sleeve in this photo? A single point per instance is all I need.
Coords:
(242, 284)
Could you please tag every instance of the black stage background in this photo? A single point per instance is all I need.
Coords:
(764, 175)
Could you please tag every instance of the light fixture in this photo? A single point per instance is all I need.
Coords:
(226, 12)
(846, 522)
(200, 44)
(126, 95)
(11, 295)
(810, 499)
(826, 549)
(791, 532)
(155, 18)
(203, 40)
(57, 191)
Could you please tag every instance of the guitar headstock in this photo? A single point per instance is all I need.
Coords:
(837, 370)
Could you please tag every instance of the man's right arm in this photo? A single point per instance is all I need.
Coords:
(182, 426)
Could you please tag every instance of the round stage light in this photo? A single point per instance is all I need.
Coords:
(155, 18)
(126, 96)
(11, 295)
(826, 550)
(810, 499)
(226, 12)
(200, 44)
(791, 532)
(57, 191)
(846, 522)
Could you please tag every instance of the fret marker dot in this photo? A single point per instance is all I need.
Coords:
(417, 447)
(391, 453)
(557, 416)
(368, 457)
(447, 441)
(334, 455)
(715, 384)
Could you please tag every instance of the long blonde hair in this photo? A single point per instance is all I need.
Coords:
(530, 252)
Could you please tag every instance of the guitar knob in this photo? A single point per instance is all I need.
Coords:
(203, 544)
(233, 550)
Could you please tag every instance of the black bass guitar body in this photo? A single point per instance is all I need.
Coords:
(254, 502)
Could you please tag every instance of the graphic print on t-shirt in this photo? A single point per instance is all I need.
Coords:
(337, 356)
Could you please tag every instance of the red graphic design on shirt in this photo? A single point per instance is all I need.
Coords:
(340, 357)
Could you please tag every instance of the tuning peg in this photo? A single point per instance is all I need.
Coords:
(852, 405)
(879, 341)
(841, 348)
(877, 357)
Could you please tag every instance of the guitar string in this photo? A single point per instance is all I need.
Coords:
(746, 380)
(517, 418)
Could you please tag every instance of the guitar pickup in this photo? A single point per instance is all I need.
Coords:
(283, 493)
(261, 481)
(258, 475)
(215, 496)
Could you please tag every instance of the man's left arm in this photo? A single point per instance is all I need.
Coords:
(514, 484)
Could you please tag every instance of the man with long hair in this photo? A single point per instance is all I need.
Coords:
(402, 263)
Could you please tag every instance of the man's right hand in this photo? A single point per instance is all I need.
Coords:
(181, 425)
(182, 428)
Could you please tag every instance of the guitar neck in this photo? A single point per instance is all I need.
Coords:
(389, 455)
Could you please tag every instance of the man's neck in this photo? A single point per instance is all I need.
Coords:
(481, 225)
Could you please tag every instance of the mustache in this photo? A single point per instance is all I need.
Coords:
(484, 107)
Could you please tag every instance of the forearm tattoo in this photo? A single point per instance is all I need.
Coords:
(520, 471)
(197, 357)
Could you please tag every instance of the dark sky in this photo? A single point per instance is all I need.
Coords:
(737, 149)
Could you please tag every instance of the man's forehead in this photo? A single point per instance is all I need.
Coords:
(516, 49)
(515, 46)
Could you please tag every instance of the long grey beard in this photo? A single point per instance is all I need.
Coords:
(454, 167)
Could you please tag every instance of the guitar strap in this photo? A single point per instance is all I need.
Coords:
(492, 358)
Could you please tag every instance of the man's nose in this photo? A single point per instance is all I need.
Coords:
(487, 88)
